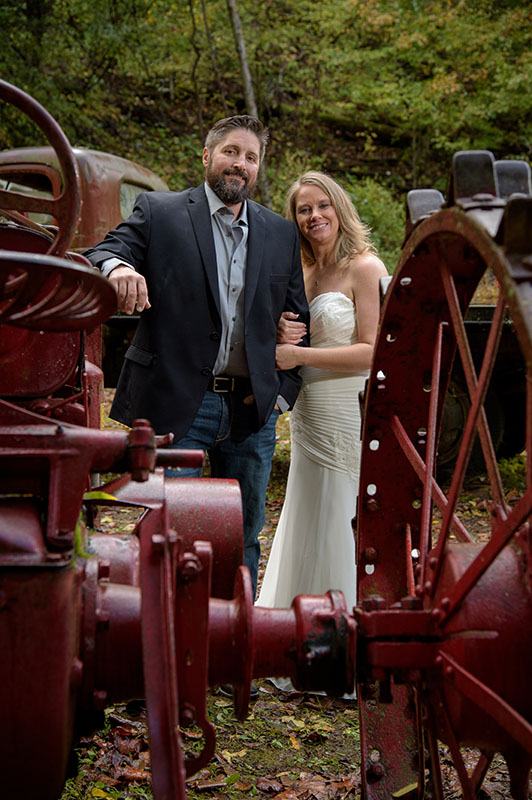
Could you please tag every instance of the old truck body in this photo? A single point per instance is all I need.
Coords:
(109, 186)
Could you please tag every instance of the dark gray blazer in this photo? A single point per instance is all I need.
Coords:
(168, 239)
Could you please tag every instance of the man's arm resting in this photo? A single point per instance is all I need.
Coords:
(130, 286)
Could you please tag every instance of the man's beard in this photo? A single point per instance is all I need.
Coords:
(231, 192)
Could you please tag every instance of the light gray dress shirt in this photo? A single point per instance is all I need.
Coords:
(231, 245)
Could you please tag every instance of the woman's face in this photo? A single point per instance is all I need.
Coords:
(316, 216)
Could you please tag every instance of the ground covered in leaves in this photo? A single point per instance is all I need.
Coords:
(291, 747)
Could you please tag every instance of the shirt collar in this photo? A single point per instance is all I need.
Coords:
(215, 204)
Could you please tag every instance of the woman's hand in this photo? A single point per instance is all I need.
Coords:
(289, 331)
(288, 356)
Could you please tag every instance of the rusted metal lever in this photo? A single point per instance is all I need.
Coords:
(144, 453)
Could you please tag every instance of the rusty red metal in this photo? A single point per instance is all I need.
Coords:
(217, 519)
(439, 683)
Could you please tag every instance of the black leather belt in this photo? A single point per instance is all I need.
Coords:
(228, 383)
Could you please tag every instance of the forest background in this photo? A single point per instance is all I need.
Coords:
(379, 93)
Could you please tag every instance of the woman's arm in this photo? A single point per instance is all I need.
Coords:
(367, 270)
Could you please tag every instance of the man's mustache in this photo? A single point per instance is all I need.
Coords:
(238, 172)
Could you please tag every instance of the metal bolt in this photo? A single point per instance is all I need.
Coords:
(76, 672)
(445, 603)
(102, 619)
(157, 542)
(410, 603)
(376, 771)
(370, 554)
(188, 715)
(372, 504)
(99, 697)
(373, 603)
(172, 536)
(433, 562)
(190, 567)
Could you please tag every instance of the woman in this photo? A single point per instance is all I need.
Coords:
(314, 548)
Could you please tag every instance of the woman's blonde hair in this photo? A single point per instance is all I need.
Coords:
(353, 234)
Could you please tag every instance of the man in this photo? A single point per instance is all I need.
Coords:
(211, 271)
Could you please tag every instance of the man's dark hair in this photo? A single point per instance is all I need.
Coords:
(220, 129)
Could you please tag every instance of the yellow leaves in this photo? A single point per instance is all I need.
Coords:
(230, 756)
(223, 702)
(295, 743)
(297, 723)
(322, 726)
(96, 792)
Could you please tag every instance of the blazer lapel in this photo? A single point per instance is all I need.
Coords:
(256, 240)
(201, 223)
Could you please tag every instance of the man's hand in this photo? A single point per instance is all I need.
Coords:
(131, 289)
(288, 330)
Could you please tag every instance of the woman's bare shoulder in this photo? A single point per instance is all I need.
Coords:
(366, 266)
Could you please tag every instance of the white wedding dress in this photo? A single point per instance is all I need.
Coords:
(314, 547)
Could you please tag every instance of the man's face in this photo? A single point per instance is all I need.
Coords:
(231, 168)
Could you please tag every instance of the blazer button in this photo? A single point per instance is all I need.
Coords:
(206, 371)
(215, 336)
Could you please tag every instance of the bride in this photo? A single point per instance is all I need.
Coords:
(314, 548)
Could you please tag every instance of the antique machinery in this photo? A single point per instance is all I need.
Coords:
(444, 634)
(440, 640)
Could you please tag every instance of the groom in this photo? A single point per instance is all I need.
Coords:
(211, 271)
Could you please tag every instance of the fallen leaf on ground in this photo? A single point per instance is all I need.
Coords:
(130, 774)
(295, 743)
(268, 785)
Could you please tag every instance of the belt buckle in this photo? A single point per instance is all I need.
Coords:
(220, 384)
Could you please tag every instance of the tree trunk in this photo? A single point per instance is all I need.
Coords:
(249, 94)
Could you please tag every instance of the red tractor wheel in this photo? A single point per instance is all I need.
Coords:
(65, 208)
(43, 292)
(464, 681)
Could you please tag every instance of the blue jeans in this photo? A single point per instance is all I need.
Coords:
(216, 429)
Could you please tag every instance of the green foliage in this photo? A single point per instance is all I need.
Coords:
(513, 472)
(384, 90)
(291, 165)
(385, 215)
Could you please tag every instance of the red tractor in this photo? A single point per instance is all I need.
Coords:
(439, 644)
